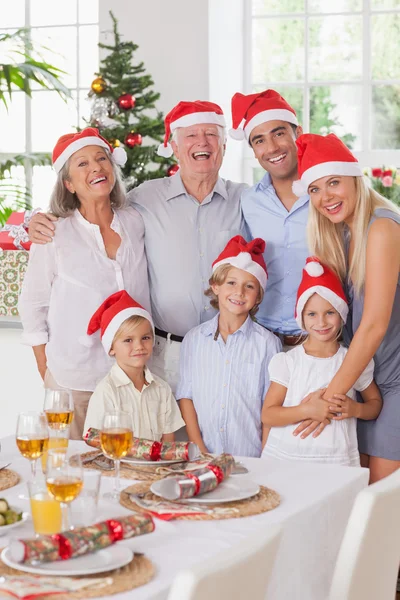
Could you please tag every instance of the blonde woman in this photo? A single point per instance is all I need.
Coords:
(98, 249)
(357, 233)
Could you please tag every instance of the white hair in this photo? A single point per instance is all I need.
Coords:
(221, 131)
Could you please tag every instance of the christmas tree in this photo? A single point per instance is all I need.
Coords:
(124, 110)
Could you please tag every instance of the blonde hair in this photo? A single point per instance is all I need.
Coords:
(126, 328)
(63, 202)
(219, 277)
(327, 240)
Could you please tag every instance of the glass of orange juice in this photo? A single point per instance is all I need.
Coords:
(46, 511)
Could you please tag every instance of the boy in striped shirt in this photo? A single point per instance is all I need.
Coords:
(224, 361)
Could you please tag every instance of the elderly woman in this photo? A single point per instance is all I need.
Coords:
(357, 232)
(97, 251)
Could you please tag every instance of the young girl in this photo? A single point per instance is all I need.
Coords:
(321, 311)
(224, 362)
(127, 333)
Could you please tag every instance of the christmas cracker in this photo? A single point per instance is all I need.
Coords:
(150, 450)
(85, 540)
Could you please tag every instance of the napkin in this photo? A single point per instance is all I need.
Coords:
(150, 450)
(199, 481)
(70, 544)
(26, 587)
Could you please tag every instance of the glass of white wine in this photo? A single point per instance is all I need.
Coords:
(116, 438)
(59, 410)
(32, 436)
(64, 480)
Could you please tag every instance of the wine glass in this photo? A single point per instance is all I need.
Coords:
(116, 438)
(64, 480)
(59, 410)
(32, 436)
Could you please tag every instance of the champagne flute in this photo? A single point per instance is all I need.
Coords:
(116, 438)
(32, 436)
(64, 480)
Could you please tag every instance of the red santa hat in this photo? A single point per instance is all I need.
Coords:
(321, 156)
(254, 109)
(320, 279)
(186, 114)
(247, 256)
(70, 143)
(109, 317)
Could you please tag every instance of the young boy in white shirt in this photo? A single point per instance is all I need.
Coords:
(224, 362)
(127, 333)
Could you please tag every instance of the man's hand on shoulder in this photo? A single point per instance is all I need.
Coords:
(41, 228)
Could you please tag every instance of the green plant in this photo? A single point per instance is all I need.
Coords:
(24, 67)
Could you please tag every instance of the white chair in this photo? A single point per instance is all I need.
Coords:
(239, 573)
(369, 557)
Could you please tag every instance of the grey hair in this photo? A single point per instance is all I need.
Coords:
(63, 202)
(221, 131)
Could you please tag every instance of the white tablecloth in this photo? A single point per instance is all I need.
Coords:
(315, 504)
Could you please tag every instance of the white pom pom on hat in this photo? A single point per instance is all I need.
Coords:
(87, 340)
(237, 134)
(120, 156)
(314, 269)
(165, 151)
(298, 188)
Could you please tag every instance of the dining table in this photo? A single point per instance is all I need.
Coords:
(315, 504)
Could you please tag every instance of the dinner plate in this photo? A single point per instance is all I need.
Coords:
(97, 562)
(239, 488)
(153, 463)
(4, 529)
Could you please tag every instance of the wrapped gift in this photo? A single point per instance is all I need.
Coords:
(194, 482)
(70, 544)
(14, 244)
(150, 450)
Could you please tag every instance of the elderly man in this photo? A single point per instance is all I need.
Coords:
(188, 220)
(270, 208)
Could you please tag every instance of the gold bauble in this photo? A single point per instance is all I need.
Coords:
(115, 143)
(98, 85)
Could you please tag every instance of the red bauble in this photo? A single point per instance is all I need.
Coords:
(133, 139)
(172, 170)
(126, 101)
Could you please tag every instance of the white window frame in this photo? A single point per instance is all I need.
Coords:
(28, 102)
(367, 156)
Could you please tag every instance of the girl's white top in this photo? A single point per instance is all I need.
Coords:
(301, 374)
(65, 283)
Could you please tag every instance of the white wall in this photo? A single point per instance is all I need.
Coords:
(193, 49)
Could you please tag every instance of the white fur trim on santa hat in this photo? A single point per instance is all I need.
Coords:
(120, 156)
(197, 118)
(314, 268)
(350, 169)
(165, 151)
(245, 262)
(337, 302)
(89, 140)
(117, 321)
(274, 114)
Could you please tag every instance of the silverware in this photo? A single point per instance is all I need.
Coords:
(90, 459)
(5, 466)
(239, 469)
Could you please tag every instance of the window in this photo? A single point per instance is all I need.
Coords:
(67, 33)
(337, 63)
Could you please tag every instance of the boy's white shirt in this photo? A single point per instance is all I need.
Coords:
(154, 409)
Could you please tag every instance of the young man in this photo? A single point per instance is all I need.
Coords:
(270, 208)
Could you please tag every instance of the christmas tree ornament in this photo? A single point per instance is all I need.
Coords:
(99, 112)
(98, 85)
(133, 139)
(172, 170)
(112, 108)
(126, 101)
(115, 143)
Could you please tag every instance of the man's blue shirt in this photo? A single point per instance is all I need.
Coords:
(285, 254)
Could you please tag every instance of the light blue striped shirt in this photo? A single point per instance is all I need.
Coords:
(182, 239)
(285, 254)
(227, 384)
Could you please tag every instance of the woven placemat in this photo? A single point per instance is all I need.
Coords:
(8, 479)
(130, 471)
(136, 573)
(265, 500)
